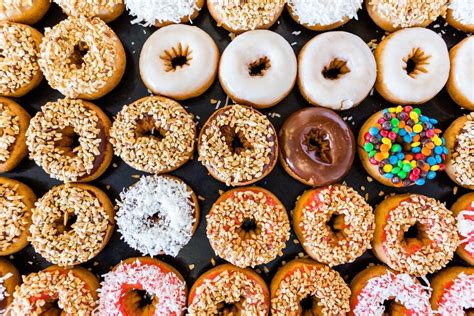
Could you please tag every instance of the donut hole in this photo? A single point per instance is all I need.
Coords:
(259, 67)
(64, 224)
(147, 128)
(236, 141)
(336, 69)
(80, 50)
(176, 57)
(309, 305)
(336, 223)
(415, 62)
(317, 142)
(145, 299)
(249, 225)
(51, 307)
(2, 55)
(414, 237)
(229, 308)
(138, 300)
(249, 228)
(70, 141)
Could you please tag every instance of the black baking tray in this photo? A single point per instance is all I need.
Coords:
(198, 256)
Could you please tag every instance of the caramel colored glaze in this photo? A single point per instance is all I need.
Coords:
(321, 162)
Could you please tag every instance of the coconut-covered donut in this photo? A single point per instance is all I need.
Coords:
(412, 66)
(154, 134)
(229, 290)
(414, 234)
(69, 139)
(461, 15)
(158, 215)
(238, 145)
(82, 58)
(163, 285)
(461, 77)
(107, 10)
(463, 211)
(72, 223)
(9, 280)
(19, 69)
(179, 61)
(453, 291)
(23, 11)
(248, 226)
(258, 68)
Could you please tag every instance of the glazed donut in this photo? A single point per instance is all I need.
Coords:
(23, 11)
(463, 211)
(248, 226)
(69, 139)
(134, 129)
(229, 290)
(56, 291)
(72, 223)
(107, 10)
(19, 69)
(9, 280)
(179, 61)
(239, 16)
(461, 15)
(334, 224)
(400, 147)
(14, 121)
(158, 215)
(163, 284)
(430, 249)
(378, 284)
(412, 66)
(16, 202)
(460, 159)
(336, 70)
(258, 68)
(304, 286)
(82, 58)
(238, 145)
(317, 146)
(460, 83)
(323, 15)
(453, 291)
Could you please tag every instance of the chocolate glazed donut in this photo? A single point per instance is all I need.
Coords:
(317, 146)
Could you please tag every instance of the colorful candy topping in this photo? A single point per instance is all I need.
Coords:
(406, 146)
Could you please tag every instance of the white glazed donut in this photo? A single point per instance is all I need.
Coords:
(461, 77)
(258, 68)
(179, 61)
(412, 66)
(336, 70)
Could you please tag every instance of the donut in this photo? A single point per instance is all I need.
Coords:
(56, 291)
(179, 61)
(460, 159)
(14, 121)
(82, 58)
(154, 134)
(453, 291)
(463, 211)
(229, 290)
(158, 215)
(16, 202)
(323, 15)
(378, 284)
(19, 69)
(336, 70)
(334, 224)
(69, 139)
(400, 147)
(142, 286)
(460, 15)
(258, 68)
(9, 280)
(23, 11)
(238, 145)
(414, 234)
(461, 75)
(248, 226)
(305, 287)
(239, 16)
(317, 146)
(107, 10)
(72, 223)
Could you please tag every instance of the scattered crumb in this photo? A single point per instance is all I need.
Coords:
(381, 193)
(369, 179)
(265, 269)
(221, 192)
(191, 267)
(213, 262)
(362, 188)
(294, 43)
(455, 190)
(296, 33)
(213, 101)
(95, 263)
(201, 198)
(296, 241)
(232, 36)
(114, 165)
(107, 186)
(136, 176)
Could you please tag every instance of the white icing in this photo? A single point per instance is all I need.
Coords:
(324, 12)
(462, 72)
(466, 229)
(148, 12)
(458, 297)
(463, 11)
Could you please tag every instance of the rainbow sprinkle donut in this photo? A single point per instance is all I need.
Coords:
(400, 147)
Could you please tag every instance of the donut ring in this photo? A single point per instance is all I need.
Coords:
(134, 129)
(243, 289)
(82, 58)
(433, 246)
(461, 75)
(248, 226)
(67, 119)
(9, 280)
(21, 11)
(459, 16)
(463, 211)
(107, 10)
(162, 283)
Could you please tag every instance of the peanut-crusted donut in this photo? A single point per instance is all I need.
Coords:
(163, 284)
(23, 11)
(72, 223)
(70, 140)
(14, 121)
(56, 291)
(82, 58)
(9, 280)
(334, 224)
(16, 202)
(461, 76)
(305, 287)
(463, 211)
(154, 134)
(229, 290)
(238, 145)
(461, 15)
(248, 226)
(107, 10)
(19, 69)
(395, 244)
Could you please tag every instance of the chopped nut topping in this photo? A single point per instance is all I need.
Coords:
(10, 5)
(463, 155)
(15, 217)
(9, 129)
(89, 8)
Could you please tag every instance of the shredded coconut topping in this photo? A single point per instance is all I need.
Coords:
(463, 154)
(458, 297)
(465, 221)
(324, 12)
(3, 290)
(88, 8)
(9, 129)
(149, 12)
(463, 11)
